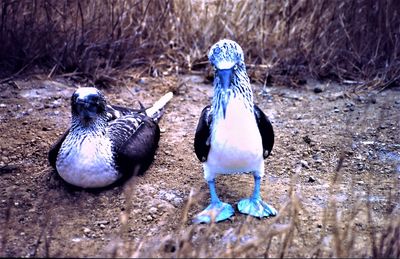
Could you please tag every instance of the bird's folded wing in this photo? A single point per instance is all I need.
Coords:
(266, 131)
(55, 148)
(135, 139)
(115, 111)
(202, 135)
(122, 128)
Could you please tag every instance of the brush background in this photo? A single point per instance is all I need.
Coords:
(284, 41)
(334, 170)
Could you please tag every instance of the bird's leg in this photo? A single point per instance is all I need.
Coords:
(216, 211)
(254, 205)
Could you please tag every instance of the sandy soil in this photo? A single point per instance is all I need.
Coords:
(42, 216)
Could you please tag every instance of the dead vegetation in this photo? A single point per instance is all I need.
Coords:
(282, 237)
(285, 42)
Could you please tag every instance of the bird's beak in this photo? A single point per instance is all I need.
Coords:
(225, 77)
(85, 111)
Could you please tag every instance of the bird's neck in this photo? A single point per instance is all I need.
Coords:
(95, 126)
(240, 89)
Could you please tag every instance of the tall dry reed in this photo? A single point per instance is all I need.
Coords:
(284, 41)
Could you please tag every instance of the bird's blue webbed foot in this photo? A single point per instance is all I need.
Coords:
(254, 205)
(217, 210)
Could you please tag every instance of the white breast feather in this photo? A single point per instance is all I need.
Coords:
(87, 161)
(236, 144)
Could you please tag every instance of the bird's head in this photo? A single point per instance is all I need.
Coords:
(227, 58)
(88, 104)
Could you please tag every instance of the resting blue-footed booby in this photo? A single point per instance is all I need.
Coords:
(233, 134)
(105, 142)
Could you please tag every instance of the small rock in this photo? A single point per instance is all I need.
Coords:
(311, 179)
(142, 80)
(2, 105)
(177, 201)
(86, 230)
(153, 210)
(148, 218)
(318, 161)
(102, 222)
(5, 159)
(335, 96)
(307, 139)
(318, 90)
(304, 163)
(372, 100)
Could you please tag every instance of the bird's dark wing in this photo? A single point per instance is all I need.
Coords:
(202, 135)
(266, 130)
(135, 140)
(115, 111)
(53, 152)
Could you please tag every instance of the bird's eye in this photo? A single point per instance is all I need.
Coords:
(235, 67)
(214, 68)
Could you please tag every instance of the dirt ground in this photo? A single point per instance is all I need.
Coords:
(315, 126)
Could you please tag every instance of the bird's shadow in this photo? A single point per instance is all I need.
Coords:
(55, 181)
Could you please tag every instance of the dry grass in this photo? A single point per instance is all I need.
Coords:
(285, 42)
(281, 237)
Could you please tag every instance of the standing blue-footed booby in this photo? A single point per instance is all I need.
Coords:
(233, 135)
(106, 142)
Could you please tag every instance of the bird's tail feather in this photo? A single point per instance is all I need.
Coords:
(156, 111)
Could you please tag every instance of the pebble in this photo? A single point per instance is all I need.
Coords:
(86, 230)
(102, 222)
(311, 179)
(318, 90)
(177, 201)
(307, 139)
(304, 163)
(153, 210)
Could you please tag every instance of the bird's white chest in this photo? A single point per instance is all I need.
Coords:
(87, 161)
(236, 144)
